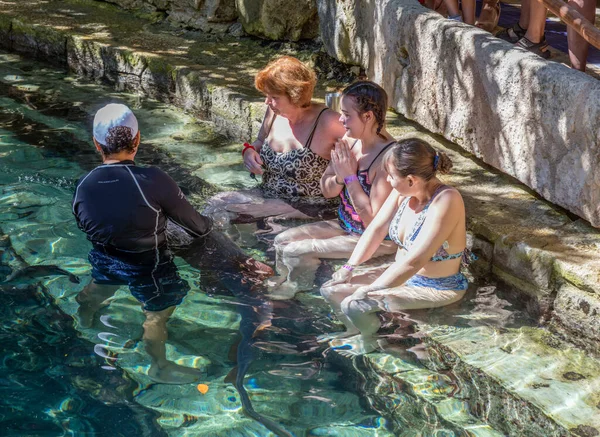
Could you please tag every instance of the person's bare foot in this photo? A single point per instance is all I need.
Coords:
(284, 291)
(257, 268)
(275, 281)
(171, 373)
(357, 345)
(336, 336)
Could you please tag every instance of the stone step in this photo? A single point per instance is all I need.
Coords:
(413, 395)
(204, 73)
(522, 381)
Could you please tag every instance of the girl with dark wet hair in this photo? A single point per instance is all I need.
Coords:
(355, 174)
(426, 220)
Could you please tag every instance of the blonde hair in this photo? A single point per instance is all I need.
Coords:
(287, 75)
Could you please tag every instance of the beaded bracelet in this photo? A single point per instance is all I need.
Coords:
(348, 267)
(350, 179)
(246, 147)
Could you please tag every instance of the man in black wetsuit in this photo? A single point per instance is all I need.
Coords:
(124, 210)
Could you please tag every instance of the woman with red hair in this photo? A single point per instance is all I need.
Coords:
(293, 147)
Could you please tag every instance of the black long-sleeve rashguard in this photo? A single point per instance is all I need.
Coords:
(125, 207)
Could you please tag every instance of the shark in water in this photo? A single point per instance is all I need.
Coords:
(255, 310)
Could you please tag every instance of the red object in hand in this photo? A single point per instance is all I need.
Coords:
(246, 147)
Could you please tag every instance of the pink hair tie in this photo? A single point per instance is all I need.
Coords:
(351, 178)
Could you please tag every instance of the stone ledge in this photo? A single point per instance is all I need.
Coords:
(534, 119)
(210, 75)
(521, 380)
(576, 312)
(407, 391)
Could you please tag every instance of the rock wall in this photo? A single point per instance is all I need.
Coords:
(270, 19)
(533, 119)
(205, 15)
(280, 19)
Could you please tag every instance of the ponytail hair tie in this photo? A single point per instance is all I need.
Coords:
(436, 159)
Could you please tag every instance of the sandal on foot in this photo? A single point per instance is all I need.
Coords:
(489, 16)
(512, 34)
(540, 48)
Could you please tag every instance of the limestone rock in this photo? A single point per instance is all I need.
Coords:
(215, 11)
(533, 119)
(279, 19)
(193, 13)
(576, 312)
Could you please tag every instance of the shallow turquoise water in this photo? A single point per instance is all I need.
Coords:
(95, 380)
(58, 379)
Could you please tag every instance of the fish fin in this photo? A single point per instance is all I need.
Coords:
(232, 355)
(264, 325)
(232, 375)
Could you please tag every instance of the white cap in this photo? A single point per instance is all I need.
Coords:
(113, 114)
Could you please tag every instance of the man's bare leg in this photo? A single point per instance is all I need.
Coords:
(537, 21)
(525, 14)
(155, 338)
(578, 46)
(90, 300)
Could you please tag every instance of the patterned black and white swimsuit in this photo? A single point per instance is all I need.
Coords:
(294, 174)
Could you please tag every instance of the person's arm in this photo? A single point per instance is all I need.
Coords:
(340, 165)
(370, 240)
(177, 208)
(442, 218)
(252, 160)
(366, 206)
(331, 184)
(376, 232)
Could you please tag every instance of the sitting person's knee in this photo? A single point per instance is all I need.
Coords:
(328, 292)
(291, 235)
(283, 238)
(295, 249)
(351, 306)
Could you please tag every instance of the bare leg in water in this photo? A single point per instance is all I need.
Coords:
(155, 338)
(336, 294)
(362, 312)
(91, 299)
(299, 252)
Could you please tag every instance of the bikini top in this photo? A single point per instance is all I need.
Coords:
(409, 238)
(292, 174)
(348, 217)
